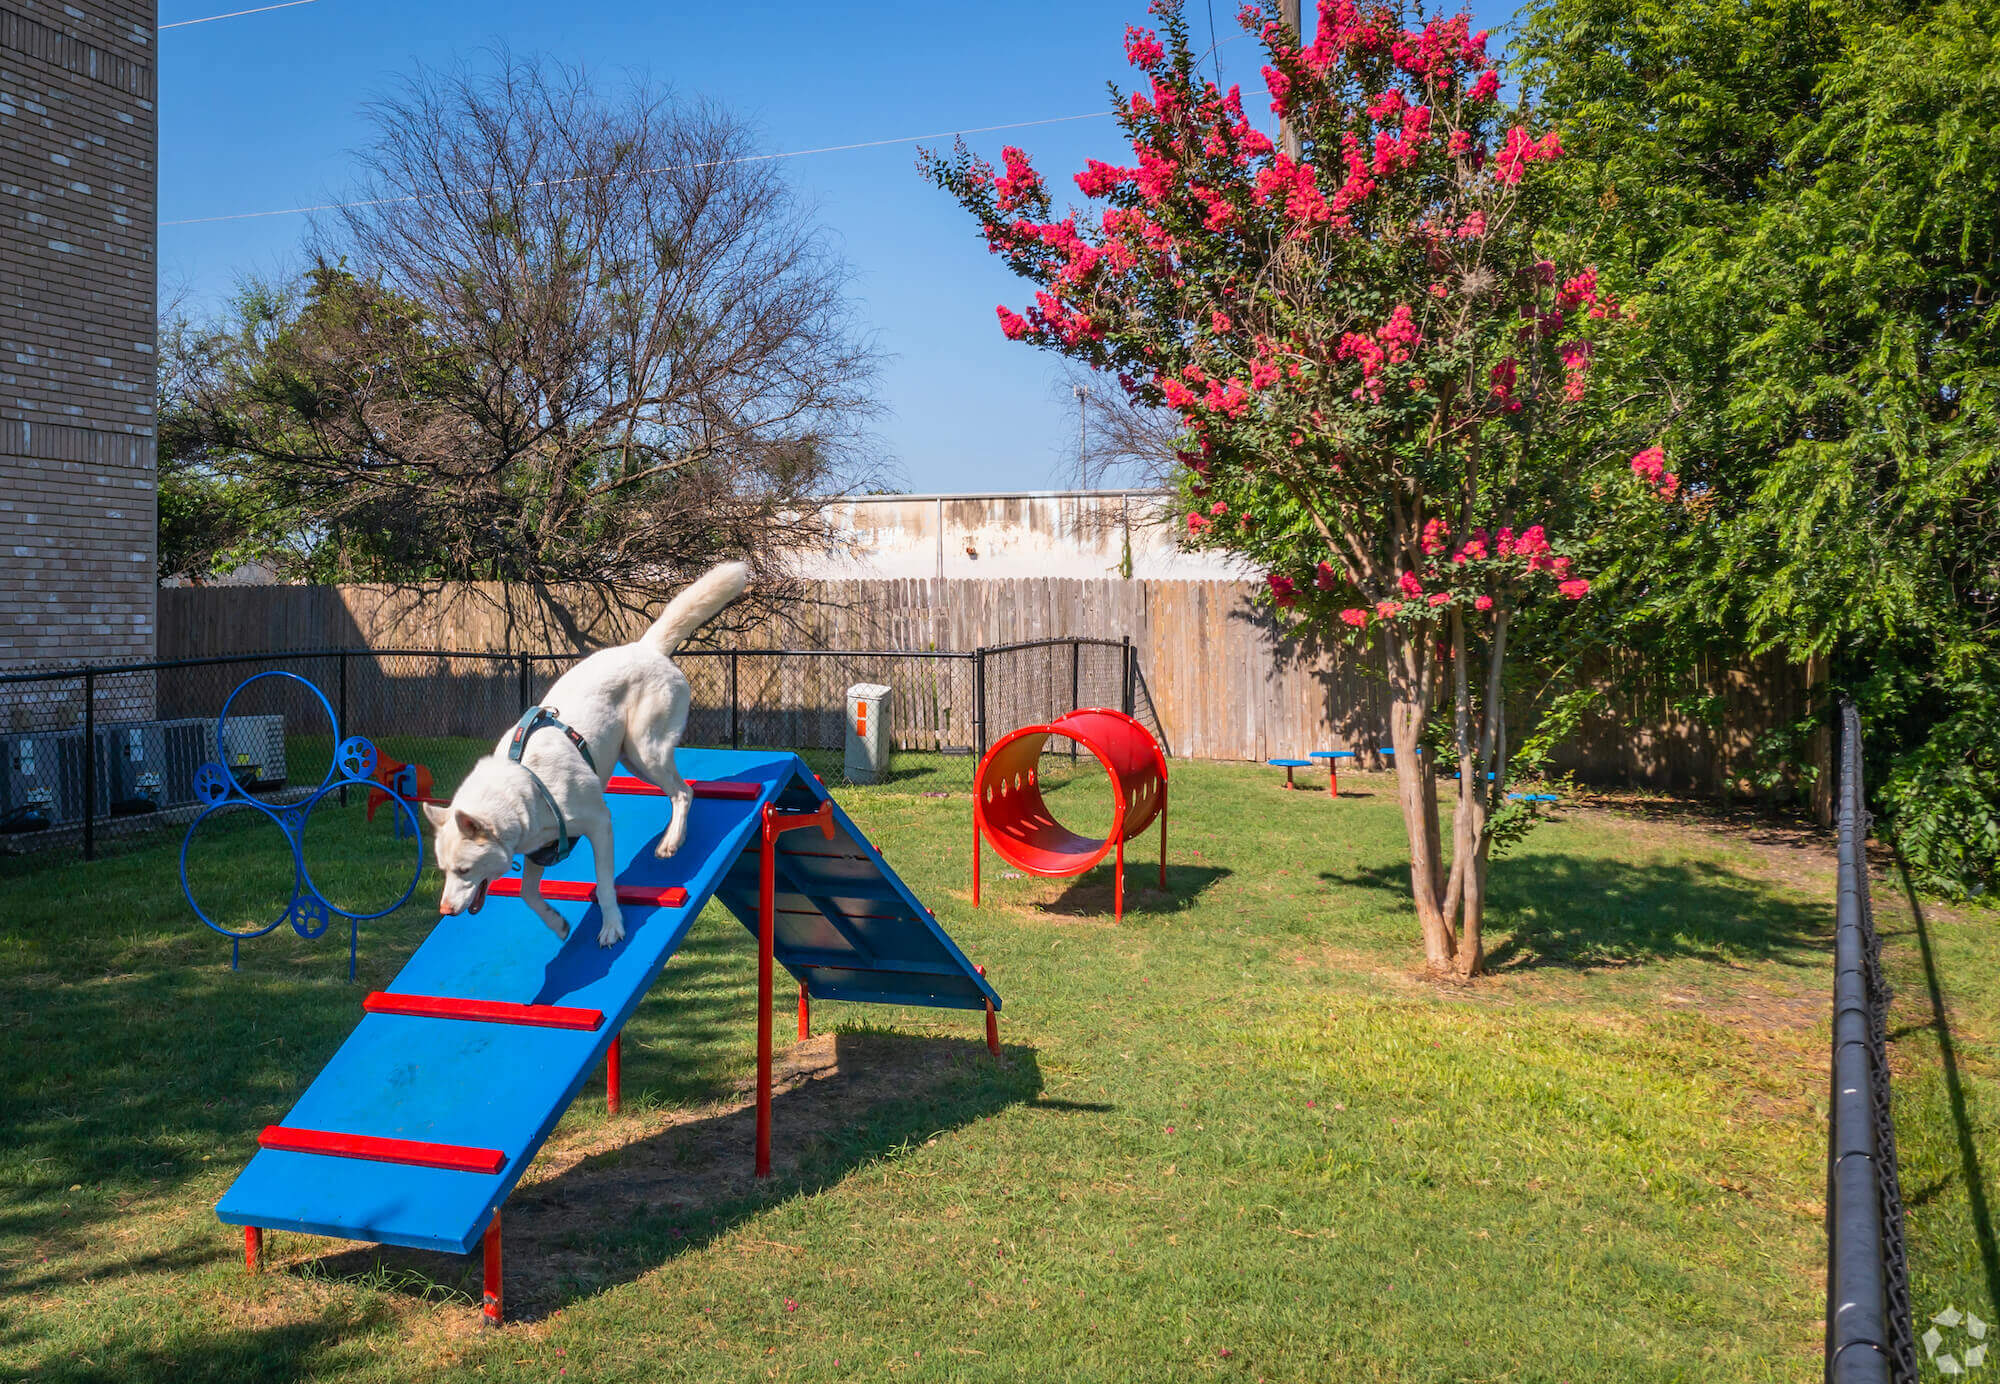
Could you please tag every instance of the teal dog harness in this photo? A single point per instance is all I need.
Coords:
(531, 721)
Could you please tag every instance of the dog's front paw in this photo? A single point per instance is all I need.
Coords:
(672, 839)
(556, 923)
(613, 931)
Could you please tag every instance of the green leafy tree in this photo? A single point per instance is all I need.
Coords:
(1370, 359)
(1798, 200)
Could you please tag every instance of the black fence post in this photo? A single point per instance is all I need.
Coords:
(1128, 691)
(735, 711)
(526, 675)
(979, 697)
(89, 764)
(343, 729)
(1075, 685)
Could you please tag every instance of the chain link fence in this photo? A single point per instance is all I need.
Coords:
(1869, 1332)
(92, 754)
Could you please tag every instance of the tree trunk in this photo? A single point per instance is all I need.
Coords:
(1408, 706)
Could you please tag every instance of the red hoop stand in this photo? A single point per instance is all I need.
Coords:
(1008, 812)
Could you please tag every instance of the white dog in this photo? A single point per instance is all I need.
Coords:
(538, 793)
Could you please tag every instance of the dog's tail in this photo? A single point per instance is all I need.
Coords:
(700, 601)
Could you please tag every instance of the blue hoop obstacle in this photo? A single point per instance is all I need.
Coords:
(309, 911)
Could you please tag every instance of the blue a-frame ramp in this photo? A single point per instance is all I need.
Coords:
(845, 926)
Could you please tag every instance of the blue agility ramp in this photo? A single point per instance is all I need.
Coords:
(433, 1108)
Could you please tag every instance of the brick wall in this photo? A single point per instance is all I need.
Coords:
(77, 266)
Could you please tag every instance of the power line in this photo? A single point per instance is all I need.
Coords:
(642, 172)
(236, 14)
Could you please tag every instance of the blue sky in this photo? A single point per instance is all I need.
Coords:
(262, 112)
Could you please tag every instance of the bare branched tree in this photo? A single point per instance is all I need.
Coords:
(559, 337)
(1125, 445)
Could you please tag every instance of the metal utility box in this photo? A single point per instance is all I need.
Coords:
(131, 768)
(190, 743)
(867, 733)
(31, 782)
(255, 750)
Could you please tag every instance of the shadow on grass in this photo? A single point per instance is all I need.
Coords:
(298, 1351)
(854, 1099)
(1968, 1144)
(1583, 913)
(1090, 895)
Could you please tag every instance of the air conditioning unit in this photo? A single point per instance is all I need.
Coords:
(31, 779)
(254, 751)
(131, 768)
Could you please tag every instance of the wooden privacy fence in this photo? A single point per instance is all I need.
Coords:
(1220, 677)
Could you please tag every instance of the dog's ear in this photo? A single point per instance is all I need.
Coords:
(435, 815)
(471, 827)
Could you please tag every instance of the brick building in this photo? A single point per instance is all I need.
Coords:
(78, 137)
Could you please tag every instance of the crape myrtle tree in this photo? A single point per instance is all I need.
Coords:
(1372, 364)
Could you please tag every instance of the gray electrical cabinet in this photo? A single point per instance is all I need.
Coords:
(867, 717)
(31, 780)
(255, 750)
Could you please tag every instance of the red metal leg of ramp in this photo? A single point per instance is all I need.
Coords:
(775, 823)
(253, 1248)
(491, 1312)
(614, 1064)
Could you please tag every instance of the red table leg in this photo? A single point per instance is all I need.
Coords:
(805, 1013)
(253, 1248)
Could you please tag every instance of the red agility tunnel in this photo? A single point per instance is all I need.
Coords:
(1008, 811)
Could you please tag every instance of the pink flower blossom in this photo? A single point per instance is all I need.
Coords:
(1387, 608)
(1012, 325)
(1482, 603)
(1356, 618)
(1438, 598)
(1196, 524)
(1218, 509)
(1399, 334)
(1410, 585)
(1436, 531)
(1283, 592)
(1098, 179)
(1021, 183)
(1522, 149)
(1650, 466)
(1485, 87)
(1219, 321)
(1575, 589)
(1143, 48)
(1473, 227)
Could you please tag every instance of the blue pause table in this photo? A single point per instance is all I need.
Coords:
(430, 1112)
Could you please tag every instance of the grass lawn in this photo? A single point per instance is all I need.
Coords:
(1236, 1137)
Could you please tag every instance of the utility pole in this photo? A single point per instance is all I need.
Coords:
(1288, 133)
(1082, 394)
